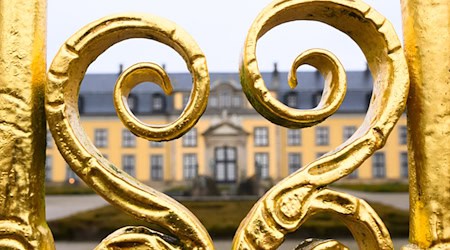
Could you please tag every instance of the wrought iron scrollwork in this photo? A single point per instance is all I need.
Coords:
(285, 207)
(64, 79)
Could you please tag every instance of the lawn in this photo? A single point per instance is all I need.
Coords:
(221, 218)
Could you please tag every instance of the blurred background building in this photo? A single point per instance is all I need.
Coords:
(231, 142)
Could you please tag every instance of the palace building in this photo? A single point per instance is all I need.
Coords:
(231, 142)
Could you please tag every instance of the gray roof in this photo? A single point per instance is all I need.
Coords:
(96, 91)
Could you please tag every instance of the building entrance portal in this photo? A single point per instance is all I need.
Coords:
(225, 164)
(226, 144)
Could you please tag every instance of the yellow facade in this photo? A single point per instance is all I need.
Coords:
(277, 148)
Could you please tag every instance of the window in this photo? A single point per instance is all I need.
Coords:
(225, 164)
(71, 177)
(156, 144)
(404, 164)
(156, 168)
(128, 139)
(294, 137)
(128, 164)
(101, 137)
(157, 102)
(379, 165)
(291, 100)
(189, 166)
(261, 136)
(49, 139)
(295, 162)
(348, 132)
(322, 136)
(132, 102)
(237, 101)
(403, 134)
(190, 138)
(225, 99)
(213, 101)
(262, 165)
(48, 168)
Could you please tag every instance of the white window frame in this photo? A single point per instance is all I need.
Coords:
(322, 136)
(129, 164)
(402, 135)
(157, 102)
(48, 168)
(294, 137)
(404, 164)
(379, 165)
(294, 162)
(190, 166)
(128, 139)
(157, 167)
(292, 100)
(262, 165)
(261, 136)
(190, 138)
(101, 137)
(347, 132)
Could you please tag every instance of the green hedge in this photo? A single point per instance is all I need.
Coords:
(67, 189)
(374, 187)
(221, 219)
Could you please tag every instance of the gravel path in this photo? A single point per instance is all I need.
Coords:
(60, 206)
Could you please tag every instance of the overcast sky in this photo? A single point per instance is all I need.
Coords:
(219, 27)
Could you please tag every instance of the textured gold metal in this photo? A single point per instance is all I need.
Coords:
(64, 78)
(22, 125)
(150, 72)
(138, 238)
(426, 27)
(292, 201)
(286, 206)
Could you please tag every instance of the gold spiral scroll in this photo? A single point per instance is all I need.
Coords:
(64, 78)
(286, 206)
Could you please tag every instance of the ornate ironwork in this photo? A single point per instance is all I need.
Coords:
(114, 185)
(291, 202)
(287, 205)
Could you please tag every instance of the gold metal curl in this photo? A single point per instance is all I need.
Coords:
(64, 78)
(138, 238)
(285, 207)
(334, 90)
(150, 72)
(333, 95)
(138, 73)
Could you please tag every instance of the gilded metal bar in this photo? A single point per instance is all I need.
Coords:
(22, 125)
(426, 26)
